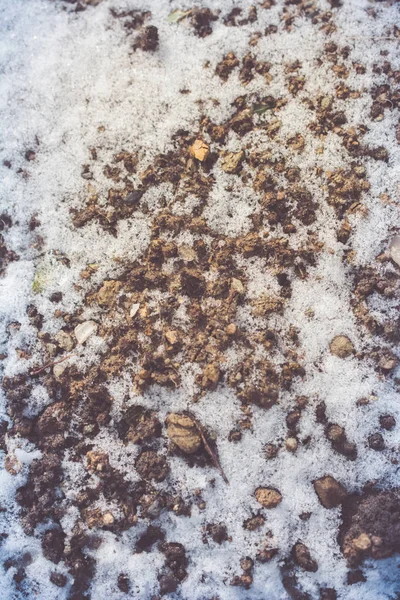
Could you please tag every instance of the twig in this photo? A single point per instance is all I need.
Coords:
(50, 364)
(212, 454)
(372, 37)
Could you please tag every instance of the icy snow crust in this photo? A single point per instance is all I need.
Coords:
(64, 75)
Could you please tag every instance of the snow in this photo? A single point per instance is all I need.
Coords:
(70, 82)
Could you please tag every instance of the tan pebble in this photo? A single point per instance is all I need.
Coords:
(200, 150)
(183, 432)
(211, 375)
(187, 253)
(108, 291)
(291, 444)
(108, 518)
(388, 362)
(231, 329)
(341, 346)
(51, 349)
(362, 542)
(268, 497)
(59, 369)
(237, 285)
(334, 432)
(171, 336)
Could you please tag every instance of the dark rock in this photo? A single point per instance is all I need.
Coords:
(56, 297)
(148, 538)
(266, 555)
(123, 583)
(292, 419)
(134, 197)
(302, 557)
(175, 558)
(328, 594)
(140, 425)
(53, 545)
(330, 492)
(201, 19)
(193, 283)
(247, 563)
(355, 577)
(58, 579)
(168, 584)
(148, 39)
(376, 442)
(320, 413)
(53, 419)
(254, 523)
(387, 422)
(270, 451)
(218, 532)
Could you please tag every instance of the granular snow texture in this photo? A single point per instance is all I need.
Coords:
(199, 300)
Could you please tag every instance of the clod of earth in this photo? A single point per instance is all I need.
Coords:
(200, 150)
(151, 465)
(330, 492)
(64, 340)
(108, 292)
(183, 432)
(371, 525)
(268, 497)
(97, 461)
(231, 161)
(237, 285)
(12, 464)
(341, 346)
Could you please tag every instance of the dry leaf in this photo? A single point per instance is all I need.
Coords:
(178, 15)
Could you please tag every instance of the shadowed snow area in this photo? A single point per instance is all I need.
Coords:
(199, 300)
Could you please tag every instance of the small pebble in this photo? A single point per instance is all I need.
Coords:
(268, 497)
(291, 444)
(394, 249)
(341, 346)
(84, 330)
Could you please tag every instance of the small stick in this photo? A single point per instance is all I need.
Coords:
(214, 457)
(50, 364)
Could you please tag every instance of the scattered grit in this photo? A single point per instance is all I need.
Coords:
(199, 300)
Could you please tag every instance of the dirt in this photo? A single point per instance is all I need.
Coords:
(371, 525)
(207, 281)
